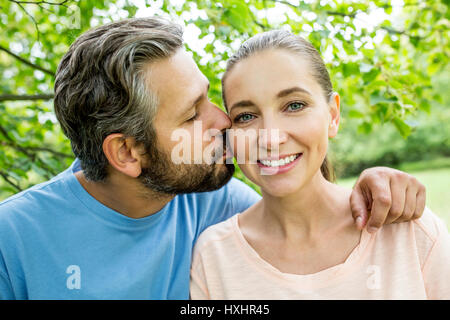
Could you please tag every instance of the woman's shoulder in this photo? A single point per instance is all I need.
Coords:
(427, 228)
(430, 225)
(422, 234)
(214, 234)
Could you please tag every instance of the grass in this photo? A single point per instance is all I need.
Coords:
(436, 181)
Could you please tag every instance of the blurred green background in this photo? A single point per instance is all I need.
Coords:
(387, 59)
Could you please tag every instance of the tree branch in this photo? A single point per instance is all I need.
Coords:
(38, 33)
(21, 4)
(24, 97)
(30, 155)
(353, 15)
(56, 153)
(331, 13)
(391, 30)
(5, 176)
(28, 63)
(14, 144)
(286, 3)
(342, 14)
(43, 149)
(62, 3)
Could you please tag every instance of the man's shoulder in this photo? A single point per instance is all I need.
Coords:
(238, 185)
(33, 199)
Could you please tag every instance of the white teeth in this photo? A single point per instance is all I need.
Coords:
(279, 163)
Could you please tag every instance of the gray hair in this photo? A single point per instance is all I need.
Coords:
(101, 86)
(281, 39)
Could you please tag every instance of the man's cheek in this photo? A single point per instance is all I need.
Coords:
(181, 150)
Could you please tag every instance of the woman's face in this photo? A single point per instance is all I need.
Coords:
(284, 120)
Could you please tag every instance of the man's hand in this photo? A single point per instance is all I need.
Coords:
(383, 195)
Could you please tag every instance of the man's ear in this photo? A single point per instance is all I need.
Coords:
(335, 115)
(123, 154)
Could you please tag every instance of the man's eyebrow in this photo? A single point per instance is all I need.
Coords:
(200, 97)
(286, 92)
(194, 102)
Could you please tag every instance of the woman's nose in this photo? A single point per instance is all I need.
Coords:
(270, 137)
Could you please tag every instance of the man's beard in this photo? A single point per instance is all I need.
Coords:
(164, 176)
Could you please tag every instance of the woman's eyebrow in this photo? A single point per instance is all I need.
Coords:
(281, 94)
(242, 104)
(286, 92)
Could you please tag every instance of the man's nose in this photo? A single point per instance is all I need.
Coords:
(218, 119)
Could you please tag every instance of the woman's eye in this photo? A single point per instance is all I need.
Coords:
(295, 106)
(244, 117)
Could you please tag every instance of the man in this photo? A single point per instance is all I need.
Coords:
(123, 225)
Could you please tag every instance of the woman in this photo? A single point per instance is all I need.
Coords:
(299, 241)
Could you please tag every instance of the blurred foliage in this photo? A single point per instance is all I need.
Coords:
(383, 57)
(352, 152)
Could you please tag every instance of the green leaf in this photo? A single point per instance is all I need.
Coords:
(355, 114)
(350, 68)
(402, 127)
(378, 97)
(395, 84)
(425, 105)
(365, 127)
(237, 14)
(14, 175)
(370, 76)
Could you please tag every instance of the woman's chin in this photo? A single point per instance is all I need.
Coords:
(274, 185)
(281, 189)
(278, 194)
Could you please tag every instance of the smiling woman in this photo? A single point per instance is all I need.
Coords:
(299, 241)
(315, 67)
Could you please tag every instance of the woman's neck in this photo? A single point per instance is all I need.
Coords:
(315, 209)
(305, 232)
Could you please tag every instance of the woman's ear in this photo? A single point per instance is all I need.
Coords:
(122, 154)
(335, 115)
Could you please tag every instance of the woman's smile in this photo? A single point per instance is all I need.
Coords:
(281, 164)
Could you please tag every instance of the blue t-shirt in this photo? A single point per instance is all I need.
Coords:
(58, 242)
